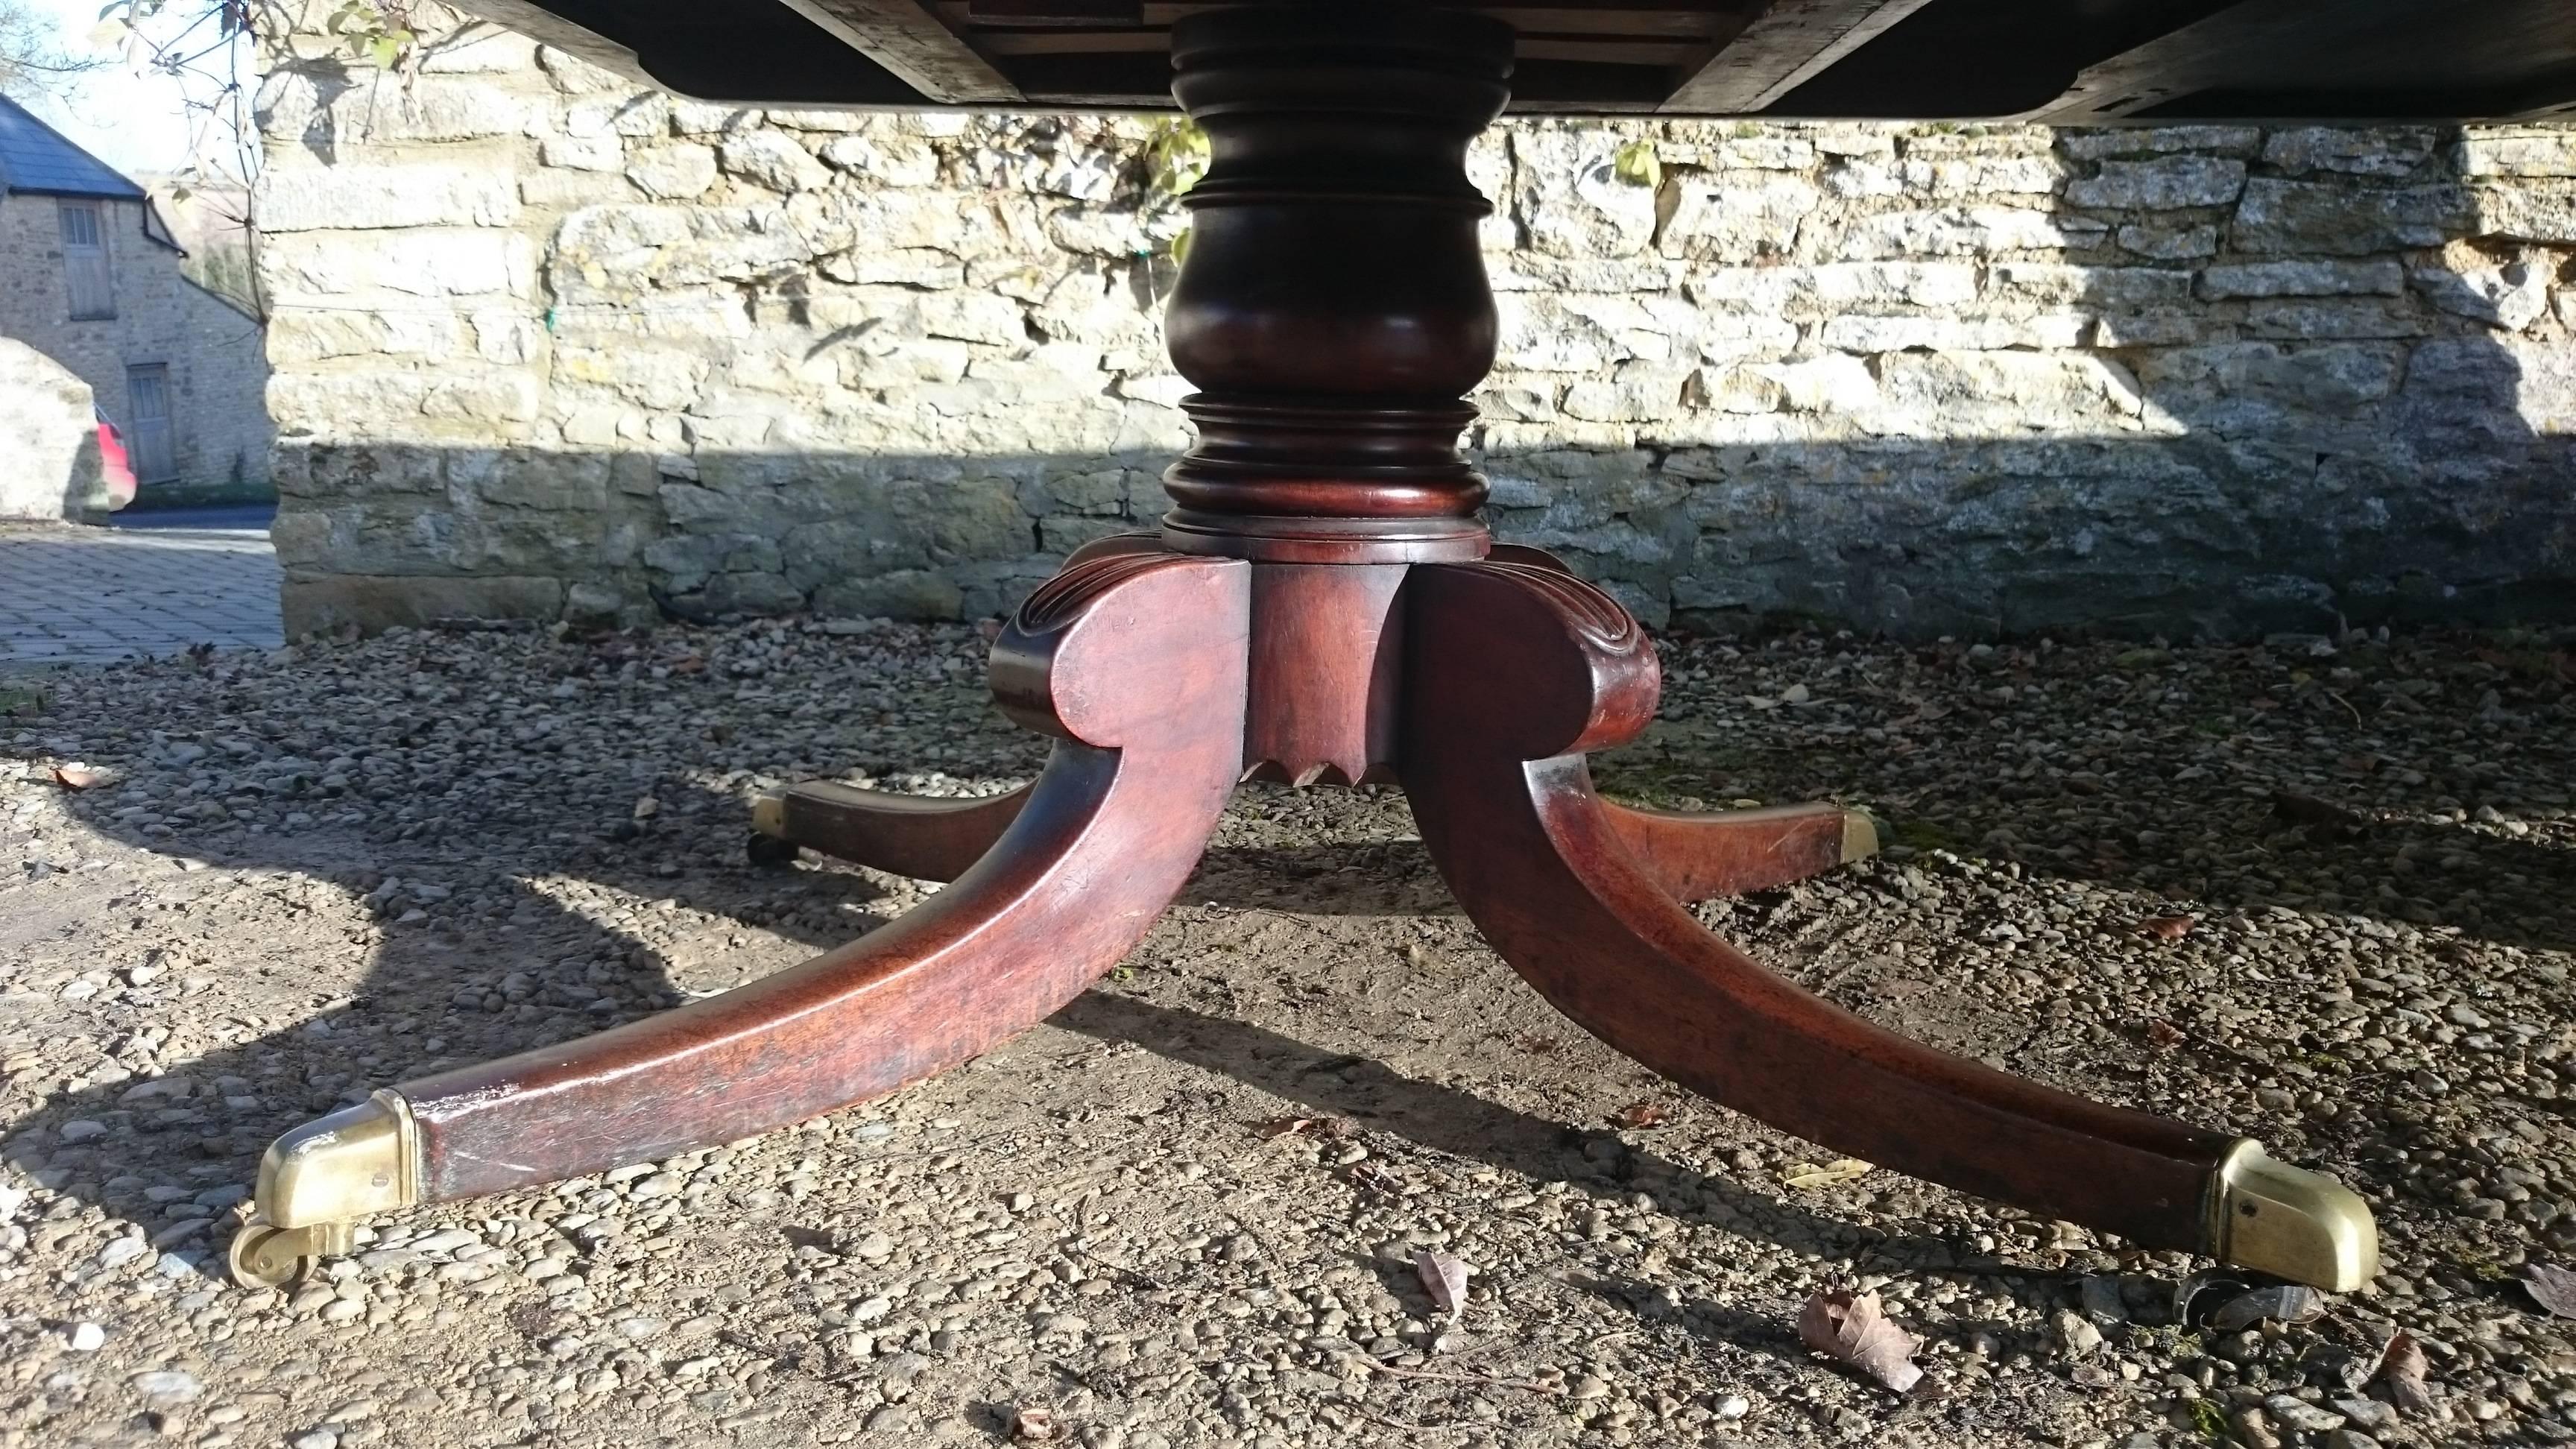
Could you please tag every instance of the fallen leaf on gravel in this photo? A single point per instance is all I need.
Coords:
(1841, 1169)
(1444, 1278)
(1033, 1426)
(78, 777)
(2289, 1303)
(2167, 928)
(2401, 1367)
(2163, 1033)
(1332, 1129)
(1370, 1177)
(1852, 1328)
(1642, 1114)
(2553, 1288)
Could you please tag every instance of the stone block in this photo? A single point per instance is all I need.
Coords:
(316, 335)
(2507, 295)
(2157, 140)
(337, 116)
(2386, 152)
(749, 593)
(771, 159)
(365, 195)
(302, 268)
(2302, 278)
(1982, 175)
(2094, 286)
(679, 171)
(1738, 217)
(2169, 243)
(923, 268)
(2302, 319)
(2336, 377)
(2536, 151)
(2005, 394)
(2541, 210)
(604, 152)
(2167, 183)
(884, 159)
(1965, 231)
(1862, 333)
(2345, 220)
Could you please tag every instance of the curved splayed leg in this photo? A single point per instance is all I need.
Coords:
(1135, 661)
(1514, 671)
(1700, 857)
(927, 837)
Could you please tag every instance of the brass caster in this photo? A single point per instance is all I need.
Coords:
(768, 825)
(1860, 836)
(263, 1255)
(318, 1181)
(2291, 1223)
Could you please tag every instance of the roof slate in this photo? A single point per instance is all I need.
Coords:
(34, 157)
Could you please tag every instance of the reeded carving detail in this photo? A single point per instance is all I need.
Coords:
(1599, 618)
(1060, 600)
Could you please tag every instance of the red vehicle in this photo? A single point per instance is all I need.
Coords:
(114, 467)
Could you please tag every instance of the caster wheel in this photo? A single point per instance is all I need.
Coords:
(769, 850)
(265, 1257)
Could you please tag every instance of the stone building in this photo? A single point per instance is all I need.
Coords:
(550, 344)
(91, 278)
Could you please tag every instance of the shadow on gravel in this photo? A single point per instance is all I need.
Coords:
(520, 970)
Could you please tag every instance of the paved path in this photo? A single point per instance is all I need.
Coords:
(71, 595)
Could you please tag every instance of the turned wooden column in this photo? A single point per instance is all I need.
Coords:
(1333, 309)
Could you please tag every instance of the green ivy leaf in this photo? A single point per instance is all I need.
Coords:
(1637, 164)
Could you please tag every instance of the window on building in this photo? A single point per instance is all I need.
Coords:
(85, 272)
(151, 447)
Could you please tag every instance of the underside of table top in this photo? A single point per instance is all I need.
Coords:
(2069, 62)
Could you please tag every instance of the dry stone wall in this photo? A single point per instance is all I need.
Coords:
(549, 345)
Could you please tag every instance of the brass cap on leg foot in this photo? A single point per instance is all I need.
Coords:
(319, 1179)
(2290, 1222)
(1860, 836)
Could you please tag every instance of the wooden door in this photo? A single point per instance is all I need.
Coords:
(88, 284)
(148, 441)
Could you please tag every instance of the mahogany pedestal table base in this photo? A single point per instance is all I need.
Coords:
(1322, 605)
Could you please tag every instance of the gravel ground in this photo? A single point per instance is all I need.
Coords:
(1183, 1212)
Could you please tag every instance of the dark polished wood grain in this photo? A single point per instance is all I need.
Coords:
(1513, 672)
(1333, 308)
(1137, 663)
(1327, 640)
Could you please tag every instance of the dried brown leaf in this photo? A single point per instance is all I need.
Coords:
(2163, 1033)
(1033, 1426)
(1642, 1114)
(1853, 1329)
(2401, 1367)
(2168, 928)
(78, 777)
(1841, 1169)
(1444, 1278)
(2552, 1287)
